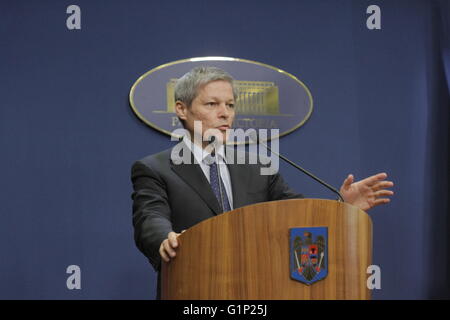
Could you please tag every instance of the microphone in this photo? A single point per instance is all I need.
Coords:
(255, 138)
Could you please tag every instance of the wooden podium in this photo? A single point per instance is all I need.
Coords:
(245, 254)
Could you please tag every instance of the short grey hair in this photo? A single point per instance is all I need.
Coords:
(186, 88)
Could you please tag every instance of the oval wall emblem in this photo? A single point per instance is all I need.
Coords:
(269, 98)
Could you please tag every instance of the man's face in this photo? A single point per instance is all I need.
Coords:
(213, 106)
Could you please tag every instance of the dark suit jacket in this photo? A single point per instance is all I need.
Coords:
(169, 197)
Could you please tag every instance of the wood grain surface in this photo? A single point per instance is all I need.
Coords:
(244, 254)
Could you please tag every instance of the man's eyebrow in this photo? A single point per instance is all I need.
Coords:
(216, 98)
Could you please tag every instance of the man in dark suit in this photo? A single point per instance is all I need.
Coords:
(170, 196)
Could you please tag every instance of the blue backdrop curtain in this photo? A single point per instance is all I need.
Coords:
(437, 164)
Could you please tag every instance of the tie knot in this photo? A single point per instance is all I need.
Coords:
(210, 159)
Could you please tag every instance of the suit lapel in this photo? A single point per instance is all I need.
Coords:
(238, 184)
(238, 176)
(192, 174)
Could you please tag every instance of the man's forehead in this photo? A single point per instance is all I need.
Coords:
(216, 92)
(222, 84)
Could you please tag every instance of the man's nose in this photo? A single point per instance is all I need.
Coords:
(224, 111)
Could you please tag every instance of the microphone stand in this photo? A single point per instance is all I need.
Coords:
(304, 171)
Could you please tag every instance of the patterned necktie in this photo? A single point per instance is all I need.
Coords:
(214, 180)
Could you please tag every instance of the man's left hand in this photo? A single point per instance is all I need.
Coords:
(367, 193)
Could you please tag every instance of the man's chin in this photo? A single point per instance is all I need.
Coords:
(224, 137)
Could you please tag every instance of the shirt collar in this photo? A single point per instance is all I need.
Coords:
(200, 154)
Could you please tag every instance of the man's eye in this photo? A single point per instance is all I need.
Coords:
(231, 105)
(211, 104)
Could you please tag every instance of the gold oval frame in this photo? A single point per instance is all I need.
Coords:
(213, 58)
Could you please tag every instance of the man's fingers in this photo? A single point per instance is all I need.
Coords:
(163, 254)
(370, 181)
(376, 178)
(173, 239)
(381, 201)
(382, 185)
(168, 248)
(348, 181)
(383, 193)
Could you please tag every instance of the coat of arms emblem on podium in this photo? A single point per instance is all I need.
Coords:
(308, 254)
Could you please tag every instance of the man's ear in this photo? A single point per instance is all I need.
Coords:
(181, 110)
